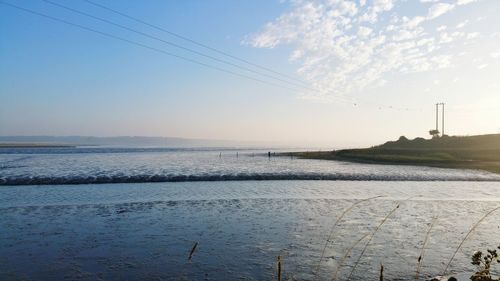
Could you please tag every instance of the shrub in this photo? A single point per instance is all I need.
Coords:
(484, 263)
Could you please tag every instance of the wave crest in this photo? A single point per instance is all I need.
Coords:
(44, 180)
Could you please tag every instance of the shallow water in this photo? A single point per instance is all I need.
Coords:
(141, 165)
(145, 231)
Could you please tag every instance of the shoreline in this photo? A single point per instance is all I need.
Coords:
(489, 166)
(472, 152)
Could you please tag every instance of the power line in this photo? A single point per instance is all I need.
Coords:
(348, 101)
(171, 43)
(158, 50)
(144, 46)
(192, 41)
(354, 103)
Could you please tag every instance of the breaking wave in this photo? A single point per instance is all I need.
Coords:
(45, 180)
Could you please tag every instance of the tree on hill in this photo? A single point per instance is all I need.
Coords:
(434, 133)
(402, 139)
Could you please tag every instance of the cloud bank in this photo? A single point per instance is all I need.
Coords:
(345, 46)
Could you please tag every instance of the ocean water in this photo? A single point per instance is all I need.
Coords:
(152, 205)
(140, 165)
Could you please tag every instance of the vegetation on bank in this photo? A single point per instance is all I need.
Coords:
(471, 152)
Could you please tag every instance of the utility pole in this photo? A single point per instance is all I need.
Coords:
(442, 119)
(437, 110)
(435, 133)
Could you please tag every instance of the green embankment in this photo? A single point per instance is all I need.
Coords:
(471, 152)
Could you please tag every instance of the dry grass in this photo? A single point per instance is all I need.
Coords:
(279, 261)
(371, 237)
(422, 251)
(330, 235)
(279, 268)
(467, 236)
(346, 255)
(193, 249)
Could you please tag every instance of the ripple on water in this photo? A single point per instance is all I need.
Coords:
(101, 165)
(145, 231)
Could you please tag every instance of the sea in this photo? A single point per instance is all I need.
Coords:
(148, 213)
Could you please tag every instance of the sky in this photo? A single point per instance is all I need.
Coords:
(332, 72)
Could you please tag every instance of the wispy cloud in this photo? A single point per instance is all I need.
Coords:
(462, 24)
(464, 2)
(495, 54)
(344, 46)
(439, 9)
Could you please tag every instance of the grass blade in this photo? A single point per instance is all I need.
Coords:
(279, 268)
(192, 251)
(371, 237)
(422, 251)
(329, 238)
(344, 258)
(466, 236)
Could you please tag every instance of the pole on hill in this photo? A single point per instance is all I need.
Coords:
(437, 117)
(435, 133)
(442, 120)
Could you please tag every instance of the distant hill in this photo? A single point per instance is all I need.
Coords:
(480, 142)
(115, 141)
(472, 152)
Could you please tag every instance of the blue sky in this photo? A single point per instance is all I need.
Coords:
(59, 80)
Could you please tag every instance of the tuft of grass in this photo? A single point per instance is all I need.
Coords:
(330, 235)
(422, 251)
(467, 236)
